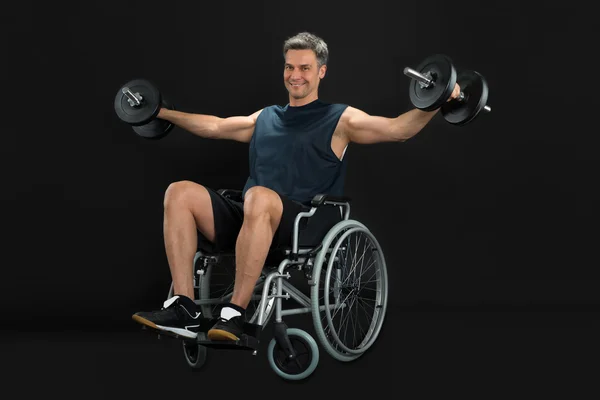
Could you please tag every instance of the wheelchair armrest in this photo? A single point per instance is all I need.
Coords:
(321, 199)
(233, 194)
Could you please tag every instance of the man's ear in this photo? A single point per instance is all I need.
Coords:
(322, 71)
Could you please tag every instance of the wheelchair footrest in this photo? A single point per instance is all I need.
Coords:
(246, 342)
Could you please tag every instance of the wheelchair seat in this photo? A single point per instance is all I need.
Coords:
(317, 201)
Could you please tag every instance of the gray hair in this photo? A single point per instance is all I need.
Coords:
(308, 41)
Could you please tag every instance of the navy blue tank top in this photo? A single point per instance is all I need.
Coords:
(290, 151)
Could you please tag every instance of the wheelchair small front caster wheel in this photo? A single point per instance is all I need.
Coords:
(305, 362)
(195, 354)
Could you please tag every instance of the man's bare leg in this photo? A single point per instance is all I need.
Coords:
(263, 210)
(253, 243)
(187, 207)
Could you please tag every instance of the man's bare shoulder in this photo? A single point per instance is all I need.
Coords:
(342, 126)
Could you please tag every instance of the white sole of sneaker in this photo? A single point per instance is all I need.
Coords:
(178, 331)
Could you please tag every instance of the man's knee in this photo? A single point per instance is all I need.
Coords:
(179, 193)
(261, 201)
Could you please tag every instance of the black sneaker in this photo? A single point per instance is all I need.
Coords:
(224, 329)
(174, 317)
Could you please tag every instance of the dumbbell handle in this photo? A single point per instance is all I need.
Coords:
(426, 82)
(411, 73)
(134, 99)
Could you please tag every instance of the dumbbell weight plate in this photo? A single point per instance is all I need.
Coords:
(444, 76)
(157, 128)
(146, 110)
(475, 89)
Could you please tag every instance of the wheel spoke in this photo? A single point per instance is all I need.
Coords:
(352, 291)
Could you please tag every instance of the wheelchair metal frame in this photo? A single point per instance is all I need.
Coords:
(294, 257)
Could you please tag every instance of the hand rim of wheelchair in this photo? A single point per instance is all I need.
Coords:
(350, 354)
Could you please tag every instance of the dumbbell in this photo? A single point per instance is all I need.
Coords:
(433, 82)
(138, 103)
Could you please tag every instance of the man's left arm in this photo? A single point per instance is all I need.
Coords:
(362, 128)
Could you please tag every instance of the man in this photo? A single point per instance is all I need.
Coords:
(296, 151)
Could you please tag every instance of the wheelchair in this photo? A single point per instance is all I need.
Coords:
(343, 268)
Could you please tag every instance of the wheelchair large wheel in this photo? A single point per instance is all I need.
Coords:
(307, 356)
(349, 296)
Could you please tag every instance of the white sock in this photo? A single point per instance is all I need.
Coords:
(228, 312)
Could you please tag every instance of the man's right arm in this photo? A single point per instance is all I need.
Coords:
(211, 127)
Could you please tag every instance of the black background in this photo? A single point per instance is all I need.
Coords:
(486, 228)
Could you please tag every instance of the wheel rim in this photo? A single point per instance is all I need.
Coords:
(302, 343)
(323, 327)
(195, 354)
(191, 352)
(351, 270)
(300, 363)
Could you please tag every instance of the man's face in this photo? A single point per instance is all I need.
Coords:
(301, 74)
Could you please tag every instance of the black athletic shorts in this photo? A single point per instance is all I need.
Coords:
(229, 216)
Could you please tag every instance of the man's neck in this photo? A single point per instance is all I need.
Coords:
(302, 102)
